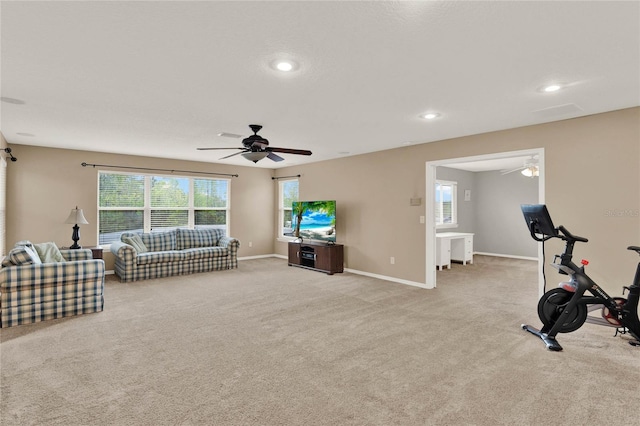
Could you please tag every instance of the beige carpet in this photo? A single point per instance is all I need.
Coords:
(269, 344)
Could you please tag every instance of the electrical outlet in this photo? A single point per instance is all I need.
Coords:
(421, 219)
(250, 244)
(392, 260)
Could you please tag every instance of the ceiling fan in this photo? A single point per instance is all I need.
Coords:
(255, 148)
(530, 168)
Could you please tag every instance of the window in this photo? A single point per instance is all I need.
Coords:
(288, 194)
(3, 204)
(143, 203)
(446, 200)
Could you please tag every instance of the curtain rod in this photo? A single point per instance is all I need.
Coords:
(284, 177)
(157, 170)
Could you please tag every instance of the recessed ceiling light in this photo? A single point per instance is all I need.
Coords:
(430, 115)
(284, 65)
(551, 88)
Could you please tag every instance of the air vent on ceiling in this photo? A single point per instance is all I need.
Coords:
(558, 111)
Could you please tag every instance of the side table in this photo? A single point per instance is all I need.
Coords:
(96, 251)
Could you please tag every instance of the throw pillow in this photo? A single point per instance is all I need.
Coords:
(136, 242)
(49, 252)
(21, 255)
(35, 258)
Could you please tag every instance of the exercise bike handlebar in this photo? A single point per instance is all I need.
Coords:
(567, 256)
(569, 237)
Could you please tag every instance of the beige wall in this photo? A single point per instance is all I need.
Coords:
(45, 184)
(3, 243)
(592, 169)
(592, 181)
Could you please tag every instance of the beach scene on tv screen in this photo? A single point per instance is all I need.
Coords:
(317, 220)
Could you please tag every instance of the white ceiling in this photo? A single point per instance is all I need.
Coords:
(163, 78)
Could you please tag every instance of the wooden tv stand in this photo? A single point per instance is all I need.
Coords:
(321, 257)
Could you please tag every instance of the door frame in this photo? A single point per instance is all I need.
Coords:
(430, 219)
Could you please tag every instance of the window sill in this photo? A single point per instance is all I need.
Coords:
(447, 226)
(285, 239)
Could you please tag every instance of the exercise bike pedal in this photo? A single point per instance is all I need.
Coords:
(551, 342)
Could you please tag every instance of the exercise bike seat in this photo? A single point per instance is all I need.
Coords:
(634, 248)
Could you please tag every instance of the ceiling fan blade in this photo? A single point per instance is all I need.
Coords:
(209, 149)
(506, 172)
(244, 150)
(288, 151)
(274, 157)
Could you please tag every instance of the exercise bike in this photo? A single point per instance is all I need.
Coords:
(565, 309)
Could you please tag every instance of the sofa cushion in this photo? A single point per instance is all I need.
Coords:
(159, 257)
(221, 233)
(194, 238)
(202, 252)
(160, 241)
(155, 241)
(136, 242)
(49, 252)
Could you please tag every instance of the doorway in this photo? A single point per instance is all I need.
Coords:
(493, 160)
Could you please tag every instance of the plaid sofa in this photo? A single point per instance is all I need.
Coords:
(31, 292)
(176, 252)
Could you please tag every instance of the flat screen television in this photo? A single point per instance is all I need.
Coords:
(538, 219)
(314, 220)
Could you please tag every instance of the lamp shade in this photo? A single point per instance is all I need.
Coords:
(76, 217)
(255, 156)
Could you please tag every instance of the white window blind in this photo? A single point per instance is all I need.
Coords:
(120, 205)
(169, 203)
(288, 194)
(446, 203)
(144, 203)
(210, 201)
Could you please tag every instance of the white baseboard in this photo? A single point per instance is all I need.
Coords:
(262, 256)
(353, 271)
(386, 278)
(510, 256)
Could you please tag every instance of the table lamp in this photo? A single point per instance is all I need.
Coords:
(76, 217)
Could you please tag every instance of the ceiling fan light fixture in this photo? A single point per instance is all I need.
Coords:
(255, 156)
(531, 171)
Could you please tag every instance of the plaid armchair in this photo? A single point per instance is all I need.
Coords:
(32, 292)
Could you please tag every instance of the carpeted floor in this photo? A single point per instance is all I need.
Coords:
(269, 344)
